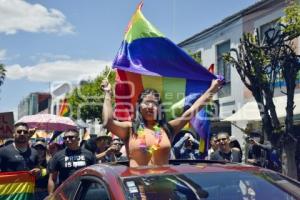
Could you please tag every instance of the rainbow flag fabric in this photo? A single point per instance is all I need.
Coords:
(16, 185)
(147, 59)
(64, 108)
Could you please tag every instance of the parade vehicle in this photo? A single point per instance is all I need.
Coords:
(179, 180)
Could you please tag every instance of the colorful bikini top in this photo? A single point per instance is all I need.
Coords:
(142, 137)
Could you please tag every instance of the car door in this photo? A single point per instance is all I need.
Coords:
(68, 190)
(92, 188)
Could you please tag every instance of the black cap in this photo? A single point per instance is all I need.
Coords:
(40, 143)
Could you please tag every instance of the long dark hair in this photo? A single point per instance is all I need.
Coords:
(161, 118)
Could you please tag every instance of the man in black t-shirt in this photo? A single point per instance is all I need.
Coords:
(18, 156)
(67, 161)
(224, 152)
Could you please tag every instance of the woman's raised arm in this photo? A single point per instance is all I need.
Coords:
(120, 129)
(178, 123)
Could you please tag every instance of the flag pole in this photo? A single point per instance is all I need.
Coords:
(108, 73)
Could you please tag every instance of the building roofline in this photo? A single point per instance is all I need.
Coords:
(227, 21)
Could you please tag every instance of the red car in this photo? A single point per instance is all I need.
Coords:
(206, 180)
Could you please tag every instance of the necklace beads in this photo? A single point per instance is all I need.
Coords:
(142, 138)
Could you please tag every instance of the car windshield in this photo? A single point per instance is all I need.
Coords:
(216, 185)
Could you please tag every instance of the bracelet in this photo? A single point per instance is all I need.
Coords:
(43, 172)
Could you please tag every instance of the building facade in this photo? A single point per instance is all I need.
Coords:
(220, 38)
(34, 103)
(59, 92)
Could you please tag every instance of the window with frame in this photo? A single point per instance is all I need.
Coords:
(225, 185)
(93, 188)
(69, 191)
(265, 27)
(224, 68)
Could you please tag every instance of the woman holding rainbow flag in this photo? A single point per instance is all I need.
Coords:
(147, 137)
(147, 59)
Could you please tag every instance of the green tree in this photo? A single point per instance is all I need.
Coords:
(292, 19)
(289, 63)
(2, 74)
(260, 66)
(86, 100)
(196, 56)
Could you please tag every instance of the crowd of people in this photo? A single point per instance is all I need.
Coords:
(147, 140)
(52, 163)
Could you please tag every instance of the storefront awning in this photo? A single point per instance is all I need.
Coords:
(250, 111)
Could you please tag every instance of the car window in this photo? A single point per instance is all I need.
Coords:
(213, 185)
(94, 191)
(69, 190)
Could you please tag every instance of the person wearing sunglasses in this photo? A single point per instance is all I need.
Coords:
(19, 156)
(114, 153)
(65, 162)
(149, 134)
(225, 153)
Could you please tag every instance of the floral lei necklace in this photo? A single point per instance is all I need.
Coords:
(142, 137)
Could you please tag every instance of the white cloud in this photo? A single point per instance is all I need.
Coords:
(2, 54)
(19, 15)
(48, 57)
(62, 70)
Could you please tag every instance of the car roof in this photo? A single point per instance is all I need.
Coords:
(123, 171)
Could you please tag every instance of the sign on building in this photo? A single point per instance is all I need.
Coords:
(6, 125)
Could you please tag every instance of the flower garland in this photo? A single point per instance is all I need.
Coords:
(142, 138)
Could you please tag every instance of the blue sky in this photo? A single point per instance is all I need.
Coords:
(49, 41)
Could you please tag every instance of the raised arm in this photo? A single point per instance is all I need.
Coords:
(120, 129)
(180, 122)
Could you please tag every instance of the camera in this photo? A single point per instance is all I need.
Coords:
(249, 139)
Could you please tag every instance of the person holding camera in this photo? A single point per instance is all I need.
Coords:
(261, 153)
(98, 144)
(187, 147)
(113, 153)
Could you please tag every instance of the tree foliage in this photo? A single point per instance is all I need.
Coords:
(196, 56)
(292, 19)
(259, 75)
(2, 74)
(86, 101)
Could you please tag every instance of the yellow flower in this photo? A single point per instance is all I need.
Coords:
(156, 128)
(154, 147)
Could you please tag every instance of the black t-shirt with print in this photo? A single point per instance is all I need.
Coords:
(67, 161)
(12, 159)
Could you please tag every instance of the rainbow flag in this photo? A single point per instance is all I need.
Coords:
(201, 124)
(147, 59)
(16, 185)
(64, 108)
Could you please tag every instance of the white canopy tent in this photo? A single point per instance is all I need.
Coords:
(250, 111)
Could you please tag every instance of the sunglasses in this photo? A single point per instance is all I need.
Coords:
(69, 137)
(221, 139)
(22, 131)
(39, 148)
(148, 103)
